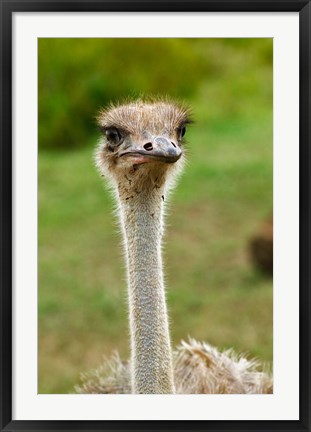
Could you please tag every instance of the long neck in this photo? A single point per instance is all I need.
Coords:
(151, 362)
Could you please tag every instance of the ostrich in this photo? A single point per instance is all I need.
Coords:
(141, 154)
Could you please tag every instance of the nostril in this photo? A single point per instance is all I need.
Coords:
(174, 145)
(148, 146)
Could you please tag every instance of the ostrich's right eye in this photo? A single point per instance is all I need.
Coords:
(114, 137)
(181, 131)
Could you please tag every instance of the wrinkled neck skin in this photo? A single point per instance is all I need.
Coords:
(141, 213)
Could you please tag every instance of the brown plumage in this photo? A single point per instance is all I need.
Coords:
(199, 368)
(140, 154)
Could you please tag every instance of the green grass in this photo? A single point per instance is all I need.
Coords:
(213, 292)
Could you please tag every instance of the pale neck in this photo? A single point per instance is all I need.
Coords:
(151, 360)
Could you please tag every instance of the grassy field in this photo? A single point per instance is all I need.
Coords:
(213, 292)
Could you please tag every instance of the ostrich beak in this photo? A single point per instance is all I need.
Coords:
(160, 149)
(165, 149)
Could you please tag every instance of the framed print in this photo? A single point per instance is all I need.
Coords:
(155, 215)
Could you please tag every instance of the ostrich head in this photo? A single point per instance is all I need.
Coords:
(142, 141)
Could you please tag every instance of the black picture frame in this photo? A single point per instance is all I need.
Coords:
(7, 10)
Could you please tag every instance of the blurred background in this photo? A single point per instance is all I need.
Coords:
(219, 213)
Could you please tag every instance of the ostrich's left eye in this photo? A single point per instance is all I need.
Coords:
(181, 131)
(114, 137)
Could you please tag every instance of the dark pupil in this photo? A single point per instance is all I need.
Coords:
(182, 131)
(113, 135)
